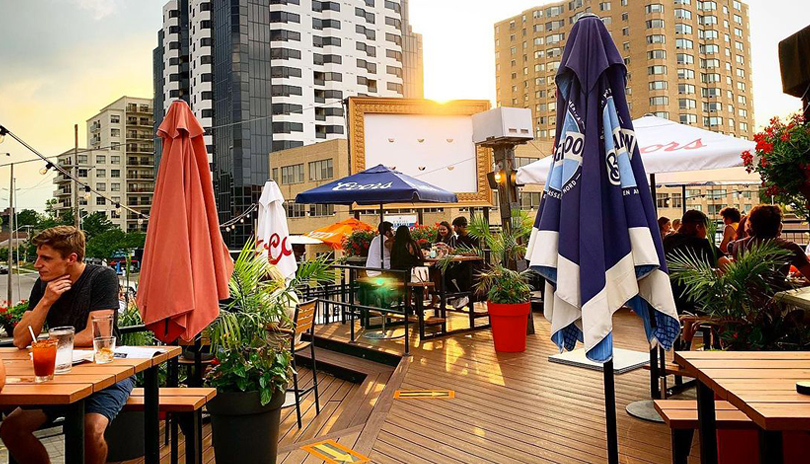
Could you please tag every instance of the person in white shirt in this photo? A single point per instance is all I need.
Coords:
(386, 231)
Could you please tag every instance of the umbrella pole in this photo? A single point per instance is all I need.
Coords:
(382, 239)
(610, 414)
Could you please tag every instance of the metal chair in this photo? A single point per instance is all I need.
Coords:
(303, 322)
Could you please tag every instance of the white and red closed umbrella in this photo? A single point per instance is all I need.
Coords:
(186, 265)
(668, 147)
(272, 233)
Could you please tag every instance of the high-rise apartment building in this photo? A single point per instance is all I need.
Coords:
(687, 60)
(264, 76)
(118, 162)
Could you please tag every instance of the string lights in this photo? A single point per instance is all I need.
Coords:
(80, 184)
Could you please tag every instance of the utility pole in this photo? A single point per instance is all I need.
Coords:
(75, 171)
(10, 233)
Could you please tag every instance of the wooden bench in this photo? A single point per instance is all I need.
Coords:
(672, 369)
(682, 418)
(184, 404)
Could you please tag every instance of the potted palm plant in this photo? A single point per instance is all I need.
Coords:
(251, 369)
(740, 298)
(507, 291)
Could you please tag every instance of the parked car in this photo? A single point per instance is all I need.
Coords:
(3, 269)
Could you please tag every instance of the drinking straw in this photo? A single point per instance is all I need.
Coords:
(33, 337)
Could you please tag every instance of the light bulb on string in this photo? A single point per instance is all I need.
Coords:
(118, 208)
(3, 132)
(140, 221)
(87, 194)
(242, 220)
(45, 169)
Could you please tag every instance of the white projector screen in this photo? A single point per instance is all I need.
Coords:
(433, 148)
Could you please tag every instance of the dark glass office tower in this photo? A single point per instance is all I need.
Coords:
(243, 128)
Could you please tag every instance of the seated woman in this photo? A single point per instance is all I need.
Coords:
(405, 253)
(446, 235)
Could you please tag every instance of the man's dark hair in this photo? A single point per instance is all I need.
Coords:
(765, 221)
(385, 227)
(662, 221)
(691, 220)
(732, 213)
(460, 221)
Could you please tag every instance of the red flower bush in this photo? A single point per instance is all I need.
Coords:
(782, 160)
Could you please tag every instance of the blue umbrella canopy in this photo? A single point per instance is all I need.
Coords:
(596, 239)
(376, 186)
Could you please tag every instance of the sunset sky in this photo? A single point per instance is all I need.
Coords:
(63, 60)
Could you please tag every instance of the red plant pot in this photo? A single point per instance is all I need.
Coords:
(509, 323)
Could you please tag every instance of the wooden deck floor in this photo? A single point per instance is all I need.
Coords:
(345, 407)
(508, 408)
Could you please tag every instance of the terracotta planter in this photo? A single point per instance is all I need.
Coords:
(509, 323)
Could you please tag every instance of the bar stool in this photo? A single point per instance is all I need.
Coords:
(303, 322)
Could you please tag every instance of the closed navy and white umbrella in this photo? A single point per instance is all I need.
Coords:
(596, 239)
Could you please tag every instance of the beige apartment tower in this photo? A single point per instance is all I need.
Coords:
(688, 60)
(119, 163)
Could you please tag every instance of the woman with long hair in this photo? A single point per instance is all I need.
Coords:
(446, 235)
(405, 253)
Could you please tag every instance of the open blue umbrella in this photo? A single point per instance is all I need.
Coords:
(596, 239)
(377, 185)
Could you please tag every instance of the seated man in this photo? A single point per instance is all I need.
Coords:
(67, 293)
(458, 276)
(691, 240)
(385, 241)
(765, 224)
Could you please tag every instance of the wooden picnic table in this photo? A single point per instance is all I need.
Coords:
(761, 384)
(71, 389)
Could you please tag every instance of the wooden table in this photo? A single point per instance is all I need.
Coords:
(799, 297)
(71, 389)
(761, 384)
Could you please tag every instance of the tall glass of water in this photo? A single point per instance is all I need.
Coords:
(64, 348)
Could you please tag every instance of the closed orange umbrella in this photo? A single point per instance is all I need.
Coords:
(186, 265)
(333, 235)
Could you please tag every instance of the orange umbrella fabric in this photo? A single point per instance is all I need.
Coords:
(186, 265)
(333, 235)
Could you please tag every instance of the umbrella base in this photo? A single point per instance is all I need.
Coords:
(383, 335)
(644, 410)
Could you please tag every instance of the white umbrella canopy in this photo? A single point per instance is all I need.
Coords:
(272, 233)
(668, 147)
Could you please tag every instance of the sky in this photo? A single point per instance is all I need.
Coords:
(61, 61)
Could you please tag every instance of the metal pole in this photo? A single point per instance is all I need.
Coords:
(10, 233)
(75, 171)
(683, 198)
(610, 414)
(654, 193)
(382, 238)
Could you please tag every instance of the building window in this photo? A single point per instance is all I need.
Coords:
(655, 23)
(317, 210)
(82, 172)
(101, 187)
(101, 201)
(654, 8)
(321, 170)
(656, 55)
(115, 119)
(115, 132)
(295, 210)
(101, 173)
(681, 13)
(284, 17)
(687, 104)
(659, 101)
(292, 174)
(604, 6)
(689, 119)
(656, 38)
(655, 70)
(658, 85)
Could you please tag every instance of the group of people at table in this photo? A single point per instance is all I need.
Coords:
(401, 252)
(741, 233)
(68, 292)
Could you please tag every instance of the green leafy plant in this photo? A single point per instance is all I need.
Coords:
(498, 281)
(739, 298)
(130, 317)
(10, 317)
(247, 359)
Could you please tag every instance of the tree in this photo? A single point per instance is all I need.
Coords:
(28, 217)
(103, 245)
(97, 224)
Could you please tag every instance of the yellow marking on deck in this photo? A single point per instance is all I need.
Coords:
(333, 452)
(424, 394)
